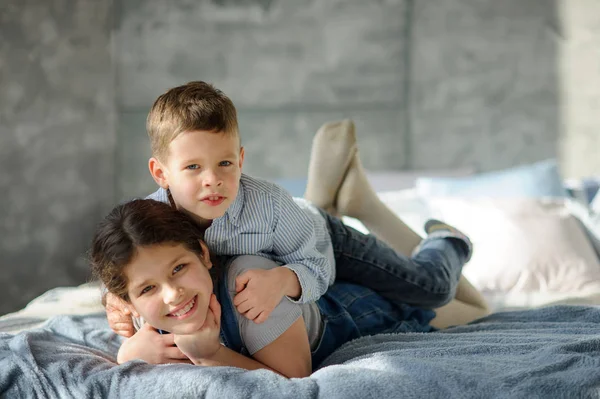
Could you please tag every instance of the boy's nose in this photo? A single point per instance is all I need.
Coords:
(211, 179)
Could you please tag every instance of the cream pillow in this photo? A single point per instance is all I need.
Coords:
(523, 245)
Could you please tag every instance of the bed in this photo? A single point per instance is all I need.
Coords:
(540, 273)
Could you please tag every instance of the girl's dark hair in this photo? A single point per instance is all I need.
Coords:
(135, 224)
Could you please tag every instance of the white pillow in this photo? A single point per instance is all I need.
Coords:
(522, 245)
(590, 222)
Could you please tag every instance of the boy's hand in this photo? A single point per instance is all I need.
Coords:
(204, 343)
(260, 291)
(119, 316)
(150, 346)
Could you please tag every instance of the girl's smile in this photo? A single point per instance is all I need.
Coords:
(186, 310)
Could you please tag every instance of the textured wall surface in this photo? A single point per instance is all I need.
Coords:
(579, 66)
(484, 83)
(56, 141)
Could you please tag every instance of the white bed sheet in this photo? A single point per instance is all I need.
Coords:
(83, 299)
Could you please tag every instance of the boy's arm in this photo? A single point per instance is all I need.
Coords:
(295, 245)
(306, 272)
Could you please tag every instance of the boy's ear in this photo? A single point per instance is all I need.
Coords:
(159, 172)
(206, 255)
(241, 157)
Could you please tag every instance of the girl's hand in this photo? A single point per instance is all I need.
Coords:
(204, 343)
(150, 346)
(119, 316)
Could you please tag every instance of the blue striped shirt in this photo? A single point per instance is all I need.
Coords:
(265, 220)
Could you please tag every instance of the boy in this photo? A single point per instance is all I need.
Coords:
(197, 161)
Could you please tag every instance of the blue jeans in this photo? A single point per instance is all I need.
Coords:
(351, 311)
(427, 280)
(348, 311)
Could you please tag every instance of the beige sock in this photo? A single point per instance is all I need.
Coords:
(356, 198)
(332, 150)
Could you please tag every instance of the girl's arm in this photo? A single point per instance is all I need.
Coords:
(289, 355)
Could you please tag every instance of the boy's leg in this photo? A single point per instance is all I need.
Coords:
(356, 198)
(337, 183)
(334, 145)
(427, 279)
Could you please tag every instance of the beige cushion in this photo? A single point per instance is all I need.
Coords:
(523, 245)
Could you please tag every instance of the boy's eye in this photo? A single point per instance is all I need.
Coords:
(193, 167)
(225, 163)
(146, 289)
(178, 268)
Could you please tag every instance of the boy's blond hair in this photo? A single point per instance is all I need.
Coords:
(193, 106)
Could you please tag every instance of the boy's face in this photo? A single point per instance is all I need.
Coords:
(170, 287)
(202, 171)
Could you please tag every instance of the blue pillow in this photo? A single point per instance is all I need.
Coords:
(296, 187)
(536, 180)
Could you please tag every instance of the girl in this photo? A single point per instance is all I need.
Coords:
(151, 256)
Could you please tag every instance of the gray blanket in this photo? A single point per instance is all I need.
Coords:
(549, 353)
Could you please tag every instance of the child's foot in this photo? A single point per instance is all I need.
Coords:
(435, 228)
(355, 193)
(333, 148)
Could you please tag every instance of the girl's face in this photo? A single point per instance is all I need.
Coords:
(170, 287)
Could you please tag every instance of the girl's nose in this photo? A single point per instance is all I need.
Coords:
(172, 294)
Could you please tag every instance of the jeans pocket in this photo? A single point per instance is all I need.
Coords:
(320, 342)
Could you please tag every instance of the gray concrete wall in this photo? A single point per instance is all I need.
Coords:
(578, 63)
(498, 83)
(57, 141)
(431, 84)
(484, 83)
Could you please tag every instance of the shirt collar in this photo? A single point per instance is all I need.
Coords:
(235, 209)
